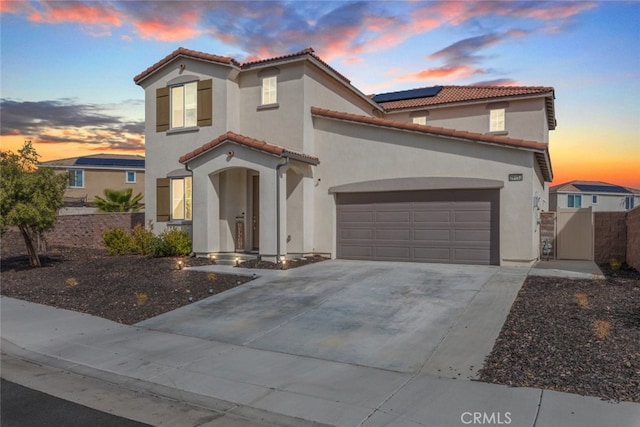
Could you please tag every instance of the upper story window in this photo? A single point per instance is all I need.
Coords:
(270, 90)
(574, 201)
(184, 104)
(420, 120)
(130, 177)
(76, 178)
(496, 120)
(594, 199)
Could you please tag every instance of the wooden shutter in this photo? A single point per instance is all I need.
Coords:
(162, 109)
(163, 199)
(205, 102)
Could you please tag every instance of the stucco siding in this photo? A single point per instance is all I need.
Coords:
(97, 180)
(352, 153)
(524, 119)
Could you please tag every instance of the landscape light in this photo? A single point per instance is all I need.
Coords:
(179, 265)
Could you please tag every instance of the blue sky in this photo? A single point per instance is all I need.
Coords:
(67, 67)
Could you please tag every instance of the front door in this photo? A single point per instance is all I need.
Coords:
(255, 212)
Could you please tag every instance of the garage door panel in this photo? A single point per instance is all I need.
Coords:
(472, 235)
(392, 252)
(472, 256)
(426, 254)
(356, 251)
(431, 235)
(351, 217)
(393, 234)
(472, 216)
(393, 217)
(431, 217)
(394, 227)
(356, 234)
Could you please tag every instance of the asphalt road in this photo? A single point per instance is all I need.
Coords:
(23, 407)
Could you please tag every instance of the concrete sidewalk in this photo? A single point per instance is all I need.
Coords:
(282, 389)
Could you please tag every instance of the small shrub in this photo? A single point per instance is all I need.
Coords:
(142, 240)
(117, 241)
(160, 248)
(178, 241)
(141, 298)
(615, 264)
(601, 328)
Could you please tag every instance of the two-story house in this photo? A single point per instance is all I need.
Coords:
(90, 175)
(284, 156)
(599, 196)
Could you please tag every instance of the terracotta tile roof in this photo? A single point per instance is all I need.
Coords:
(186, 53)
(463, 94)
(540, 149)
(308, 51)
(251, 143)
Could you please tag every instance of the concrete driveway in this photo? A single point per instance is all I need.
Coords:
(378, 314)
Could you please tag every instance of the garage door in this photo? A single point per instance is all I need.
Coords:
(419, 226)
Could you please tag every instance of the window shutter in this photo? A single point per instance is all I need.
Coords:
(163, 206)
(205, 102)
(162, 109)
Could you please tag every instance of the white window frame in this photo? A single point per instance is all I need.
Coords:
(629, 202)
(75, 172)
(594, 199)
(181, 199)
(183, 105)
(420, 120)
(126, 177)
(497, 119)
(572, 199)
(269, 90)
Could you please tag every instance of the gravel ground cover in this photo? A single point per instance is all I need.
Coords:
(576, 336)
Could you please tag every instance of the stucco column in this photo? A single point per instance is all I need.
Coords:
(206, 213)
(268, 214)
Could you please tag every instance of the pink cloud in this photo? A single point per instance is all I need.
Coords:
(165, 31)
(353, 60)
(61, 12)
(442, 73)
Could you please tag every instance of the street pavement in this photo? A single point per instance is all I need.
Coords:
(274, 382)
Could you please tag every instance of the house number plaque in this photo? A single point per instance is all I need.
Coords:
(515, 177)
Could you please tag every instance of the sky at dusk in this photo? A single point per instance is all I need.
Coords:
(67, 68)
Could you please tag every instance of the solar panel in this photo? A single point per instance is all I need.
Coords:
(100, 161)
(425, 92)
(595, 188)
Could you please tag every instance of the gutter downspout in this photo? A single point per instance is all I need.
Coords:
(280, 165)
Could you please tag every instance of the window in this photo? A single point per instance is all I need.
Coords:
(496, 122)
(629, 202)
(594, 199)
(76, 178)
(181, 199)
(420, 120)
(269, 90)
(130, 177)
(184, 105)
(574, 201)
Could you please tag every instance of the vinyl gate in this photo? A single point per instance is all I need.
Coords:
(575, 234)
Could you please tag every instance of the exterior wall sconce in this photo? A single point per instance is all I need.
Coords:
(230, 154)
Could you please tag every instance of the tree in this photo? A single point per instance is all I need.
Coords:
(118, 201)
(29, 196)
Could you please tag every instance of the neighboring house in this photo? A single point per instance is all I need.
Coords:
(284, 156)
(90, 175)
(600, 196)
